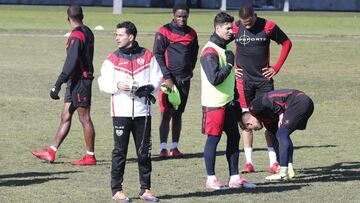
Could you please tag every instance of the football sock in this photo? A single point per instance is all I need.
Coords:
(174, 145)
(163, 145)
(235, 177)
(272, 155)
(248, 154)
(211, 178)
(53, 148)
(90, 153)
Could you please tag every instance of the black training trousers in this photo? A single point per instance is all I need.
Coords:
(123, 126)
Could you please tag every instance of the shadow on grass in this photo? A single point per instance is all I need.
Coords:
(218, 193)
(17, 179)
(338, 172)
(218, 153)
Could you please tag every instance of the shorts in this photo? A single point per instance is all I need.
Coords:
(298, 113)
(79, 93)
(213, 120)
(183, 88)
(248, 90)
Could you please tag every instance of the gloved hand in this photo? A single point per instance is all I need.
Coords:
(230, 57)
(144, 91)
(54, 93)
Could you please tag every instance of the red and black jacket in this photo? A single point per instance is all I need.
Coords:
(268, 107)
(176, 51)
(80, 52)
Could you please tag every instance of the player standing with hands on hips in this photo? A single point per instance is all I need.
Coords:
(78, 74)
(254, 74)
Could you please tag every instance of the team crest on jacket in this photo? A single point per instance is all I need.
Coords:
(140, 61)
(119, 132)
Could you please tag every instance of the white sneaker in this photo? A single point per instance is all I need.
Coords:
(278, 176)
(215, 184)
(291, 172)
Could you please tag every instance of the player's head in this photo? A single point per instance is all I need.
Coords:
(125, 34)
(75, 13)
(249, 122)
(223, 24)
(247, 16)
(181, 14)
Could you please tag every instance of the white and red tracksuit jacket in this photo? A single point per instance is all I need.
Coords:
(136, 63)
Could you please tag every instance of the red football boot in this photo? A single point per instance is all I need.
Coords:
(164, 153)
(87, 160)
(248, 168)
(274, 168)
(175, 153)
(47, 154)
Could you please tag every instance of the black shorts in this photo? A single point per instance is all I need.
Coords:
(298, 113)
(79, 93)
(254, 89)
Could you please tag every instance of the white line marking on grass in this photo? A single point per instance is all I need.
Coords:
(294, 37)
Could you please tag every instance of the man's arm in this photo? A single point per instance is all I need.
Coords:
(210, 63)
(73, 50)
(277, 35)
(195, 51)
(155, 74)
(160, 44)
(106, 80)
(286, 46)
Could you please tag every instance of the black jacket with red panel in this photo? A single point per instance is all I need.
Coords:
(268, 107)
(253, 47)
(80, 52)
(176, 51)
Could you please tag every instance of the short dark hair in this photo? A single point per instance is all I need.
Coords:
(75, 12)
(180, 6)
(129, 27)
(222, 18)
(246, 12)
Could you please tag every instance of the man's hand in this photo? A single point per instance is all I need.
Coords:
(54, 93)
(269, 72)
(238, 72)
(230, 57)
(169, 84)
(123, 86)
(281, 116)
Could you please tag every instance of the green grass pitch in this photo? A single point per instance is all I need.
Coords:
(323, 62)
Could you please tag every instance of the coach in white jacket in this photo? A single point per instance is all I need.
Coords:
(130, 74)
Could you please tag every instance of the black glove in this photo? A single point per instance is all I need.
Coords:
(229, 57)
(152, 99)
(54, 93)
(144, 91)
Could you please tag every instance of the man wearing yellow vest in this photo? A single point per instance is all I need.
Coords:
(217, 98)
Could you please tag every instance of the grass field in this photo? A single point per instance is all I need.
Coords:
(324, 62)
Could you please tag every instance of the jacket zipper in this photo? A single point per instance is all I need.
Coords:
(133, 99)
